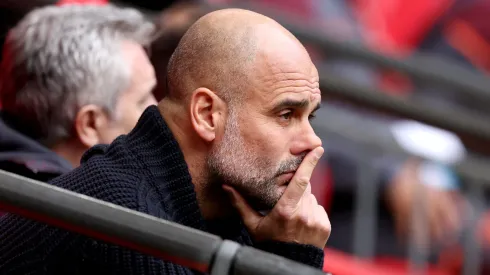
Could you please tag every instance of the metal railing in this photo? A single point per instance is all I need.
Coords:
(115, 224)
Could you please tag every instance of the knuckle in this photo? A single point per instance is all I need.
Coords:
(314, 160)
(303, 218)
(311, 223)
(326, 227)
(303, 182)
(324, 221)
(283, 213)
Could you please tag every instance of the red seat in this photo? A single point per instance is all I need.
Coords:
(340, 263)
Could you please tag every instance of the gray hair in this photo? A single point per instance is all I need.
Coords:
(58, 59)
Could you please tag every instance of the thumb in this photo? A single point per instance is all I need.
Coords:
(250, 217)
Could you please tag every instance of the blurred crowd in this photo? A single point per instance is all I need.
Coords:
(42, 137)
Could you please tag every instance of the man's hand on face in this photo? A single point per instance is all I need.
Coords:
(296, 217)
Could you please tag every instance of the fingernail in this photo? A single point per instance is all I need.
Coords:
(319, 152)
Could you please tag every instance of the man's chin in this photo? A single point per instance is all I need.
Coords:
(263, 202)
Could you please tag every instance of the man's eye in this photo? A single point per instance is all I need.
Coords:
(286, 115)
(311, 116)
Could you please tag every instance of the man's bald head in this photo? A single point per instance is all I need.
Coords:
(261, 132)
(219, 52)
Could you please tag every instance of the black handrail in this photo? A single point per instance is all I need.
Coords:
(112, 223)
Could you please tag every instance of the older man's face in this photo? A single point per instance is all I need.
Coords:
(136, 98)
(267, 137)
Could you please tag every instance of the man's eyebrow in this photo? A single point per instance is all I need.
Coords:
(292, 103)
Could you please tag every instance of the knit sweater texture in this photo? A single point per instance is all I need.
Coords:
(144, 171)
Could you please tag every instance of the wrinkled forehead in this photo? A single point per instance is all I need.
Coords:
(285, 72)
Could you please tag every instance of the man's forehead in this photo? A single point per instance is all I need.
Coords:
(300, 89)
(276, 73)
(306, 99)
(316, 94)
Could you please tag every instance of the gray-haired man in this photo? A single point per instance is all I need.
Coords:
(71, 77)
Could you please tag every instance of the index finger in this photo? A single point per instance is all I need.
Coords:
(299, 183)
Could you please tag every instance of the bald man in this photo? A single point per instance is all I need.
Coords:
(229, 150)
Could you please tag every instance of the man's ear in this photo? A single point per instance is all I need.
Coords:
(89, 120)
(207, 111)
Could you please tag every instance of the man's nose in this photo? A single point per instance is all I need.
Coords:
(306, 141)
